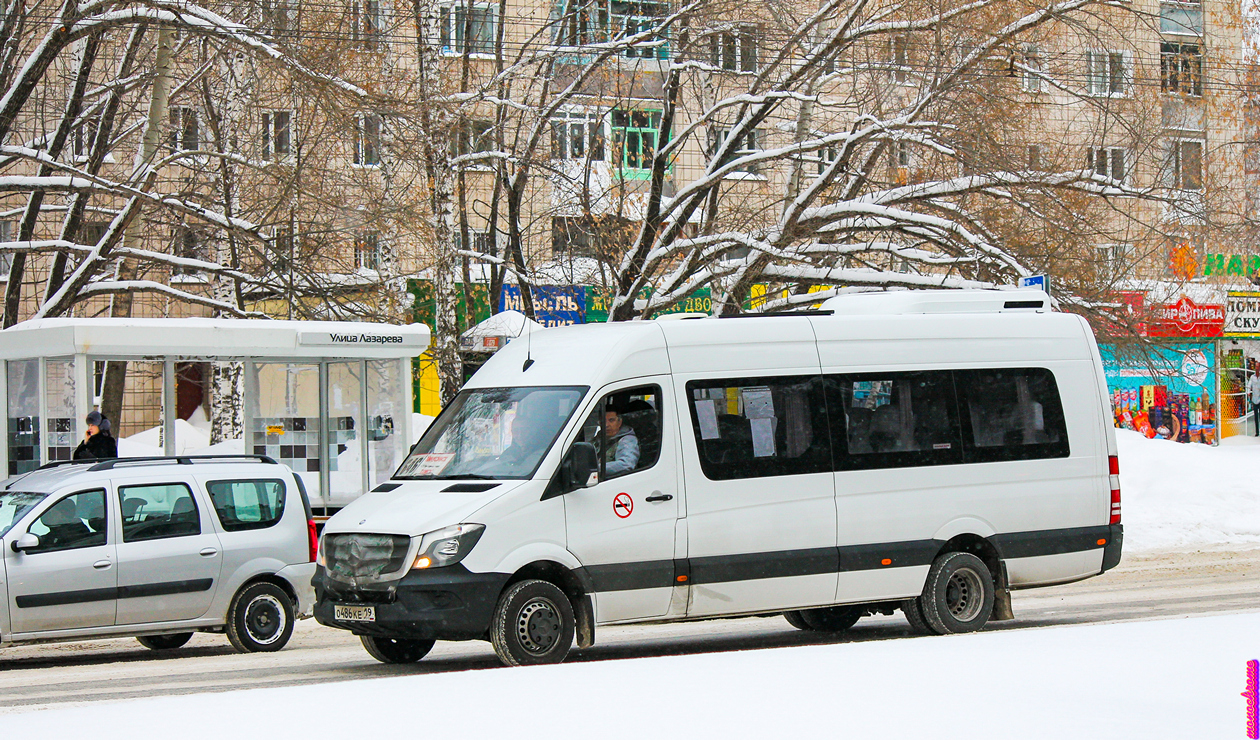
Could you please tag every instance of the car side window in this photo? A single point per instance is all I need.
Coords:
(247, 504)
(157, 511)
(74, 522)
(625, 427)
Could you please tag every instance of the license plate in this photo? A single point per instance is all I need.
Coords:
(354, 613)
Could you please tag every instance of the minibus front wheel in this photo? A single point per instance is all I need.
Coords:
(825, 619)
(533, 624)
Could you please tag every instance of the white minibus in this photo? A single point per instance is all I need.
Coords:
(927, 451)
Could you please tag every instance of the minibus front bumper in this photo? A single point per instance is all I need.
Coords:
(449, 603)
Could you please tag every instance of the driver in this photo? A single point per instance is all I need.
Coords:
(530, 437)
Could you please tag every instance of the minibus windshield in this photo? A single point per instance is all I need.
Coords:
(492, 433)
(13, 506)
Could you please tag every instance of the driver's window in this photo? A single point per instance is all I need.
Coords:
(74, 522)
(625, 428)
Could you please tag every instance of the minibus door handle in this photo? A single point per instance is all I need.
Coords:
(658, 496)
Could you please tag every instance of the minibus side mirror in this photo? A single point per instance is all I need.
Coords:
(26, 542)
(579, 469)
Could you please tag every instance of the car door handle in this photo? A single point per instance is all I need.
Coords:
(101, 564)
(209, 552)
(658, 496)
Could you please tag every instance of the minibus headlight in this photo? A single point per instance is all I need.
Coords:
(447, 546)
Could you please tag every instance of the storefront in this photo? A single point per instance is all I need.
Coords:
(1240, 360)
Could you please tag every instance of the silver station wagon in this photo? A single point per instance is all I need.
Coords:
(156, 548)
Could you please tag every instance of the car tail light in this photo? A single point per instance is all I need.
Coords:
(1113, 470)
(312, 539)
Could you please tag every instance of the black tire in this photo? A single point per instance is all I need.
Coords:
(396, 650)
(832, 618)
(958, 595)
(165, 642)
(260, 619)
(914, 615)
(795, 619)
(533, 624)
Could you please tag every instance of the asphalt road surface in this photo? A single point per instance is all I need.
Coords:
(1146, 586)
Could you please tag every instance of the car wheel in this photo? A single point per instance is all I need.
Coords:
(832, 618)
(165, 642)
(396, 650)
(260, 619)
(958, 596)
(533, 624)
(794, 618)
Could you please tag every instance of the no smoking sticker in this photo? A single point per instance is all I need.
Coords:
(623, 505)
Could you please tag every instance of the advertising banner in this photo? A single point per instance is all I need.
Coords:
(554, 305)
(1185, 318)
(1242, 314)
(1167, 392)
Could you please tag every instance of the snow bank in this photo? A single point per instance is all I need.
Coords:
(1050, 683)
(1188, 495)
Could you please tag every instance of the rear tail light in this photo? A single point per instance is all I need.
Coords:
(312, 539)
(1113, 470)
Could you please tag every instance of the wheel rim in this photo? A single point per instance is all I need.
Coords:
(538, 625)
(265, 619)
(964, 595)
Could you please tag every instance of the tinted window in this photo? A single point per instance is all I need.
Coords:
(73, 522)
(891, 420)
(1011, 414)
(247, 504)
(755, 427)
(153, 512)
(625, 427)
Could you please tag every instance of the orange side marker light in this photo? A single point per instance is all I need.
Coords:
(886, 561)
(1102, 542)
(682, 579)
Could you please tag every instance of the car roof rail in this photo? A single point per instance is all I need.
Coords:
(59, 463)
(113, 462)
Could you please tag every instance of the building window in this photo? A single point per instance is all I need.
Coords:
(1107, 72)
(367, 23)
(367, 140)
(577, 136)
(276, 134)
(185, 131)
(7, 234)
(748, 144)
(1034, 157)
(472, 137)
(898, 55)
(1109, 162)
(584, 22)
(1181, 19)
(1181, 68)
(735, 50)
(479, 23)
(826, 156)
(1185, 168)
(482, 241)
(91, 232)
(190, 244)
(1114, 259)
(83, 137)
(283, 244)
(590, 236)
(634, 140)
(275, 16)
(1032, 73)
(367, 250)
(633, 18)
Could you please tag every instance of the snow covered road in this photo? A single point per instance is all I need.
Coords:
(1145, 586)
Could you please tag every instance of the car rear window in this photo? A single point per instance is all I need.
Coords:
(247, 504)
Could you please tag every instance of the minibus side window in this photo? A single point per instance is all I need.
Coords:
(1011, 414)
(894, 420)
(758, 427)
(635, 442)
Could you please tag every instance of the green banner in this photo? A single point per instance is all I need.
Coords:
(598, 299)
(422, 310)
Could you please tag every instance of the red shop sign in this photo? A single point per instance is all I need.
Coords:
(1185, 318)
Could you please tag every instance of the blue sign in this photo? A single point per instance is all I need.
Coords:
(1035, 281)
(554, 305)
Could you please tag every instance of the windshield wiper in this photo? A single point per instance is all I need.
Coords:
(473, 476)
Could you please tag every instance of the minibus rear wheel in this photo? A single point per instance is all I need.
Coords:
(396, 650)
(958, 596)
(533, 624)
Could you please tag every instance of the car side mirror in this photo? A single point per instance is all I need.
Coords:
(579, 469)
(26, 542)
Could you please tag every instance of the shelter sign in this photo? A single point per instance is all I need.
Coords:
(1242, 314)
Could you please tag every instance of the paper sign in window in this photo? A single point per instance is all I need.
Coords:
(706, 413)
(763, 437)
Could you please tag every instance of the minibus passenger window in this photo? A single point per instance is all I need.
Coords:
(756, 427)
(1012, 414)
(894, 420)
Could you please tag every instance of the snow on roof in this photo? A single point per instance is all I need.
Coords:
(202, 338)
(504, 324)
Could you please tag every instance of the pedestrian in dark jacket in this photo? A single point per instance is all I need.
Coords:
(97, 444)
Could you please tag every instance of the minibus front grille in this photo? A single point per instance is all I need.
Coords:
(364, 558)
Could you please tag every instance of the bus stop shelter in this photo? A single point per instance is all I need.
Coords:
(332, 400)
